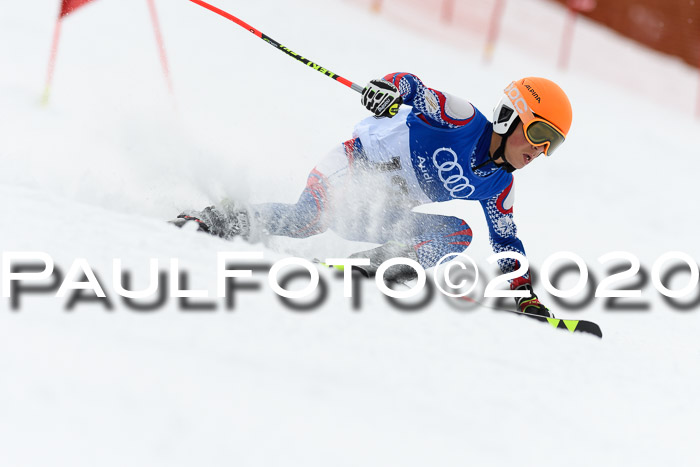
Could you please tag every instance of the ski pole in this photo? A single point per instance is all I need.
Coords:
(269, 40)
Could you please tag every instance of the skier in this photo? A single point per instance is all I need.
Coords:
(437, 147)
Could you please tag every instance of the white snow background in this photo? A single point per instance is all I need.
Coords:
(96, 172)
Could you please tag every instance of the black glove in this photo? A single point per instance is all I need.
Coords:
(381, 98)
(531, 304)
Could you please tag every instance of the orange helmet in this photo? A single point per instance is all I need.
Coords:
(543, 108)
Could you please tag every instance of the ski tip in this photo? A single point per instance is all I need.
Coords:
(575, 325)
(590, 328)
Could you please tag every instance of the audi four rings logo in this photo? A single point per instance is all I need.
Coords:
(451, 174)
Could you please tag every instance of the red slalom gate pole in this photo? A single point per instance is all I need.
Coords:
(277, 45)
(52, 61)
(160, 44)
(576, 7)
(448, 9)
(494, 26)
(697, 108)
(567, 39)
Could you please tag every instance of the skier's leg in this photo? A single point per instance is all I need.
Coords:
(310, 215)
(425, 238)
(303, 219)
(440, 235)
(313, 212)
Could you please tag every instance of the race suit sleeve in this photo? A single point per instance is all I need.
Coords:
(436, 108)
(503, 232)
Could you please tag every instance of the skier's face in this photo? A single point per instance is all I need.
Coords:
(519, 152)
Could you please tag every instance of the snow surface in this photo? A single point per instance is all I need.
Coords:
(93, 174)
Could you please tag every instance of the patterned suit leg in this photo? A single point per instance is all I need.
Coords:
(313, 212)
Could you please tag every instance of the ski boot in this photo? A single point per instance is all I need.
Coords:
(531, 304)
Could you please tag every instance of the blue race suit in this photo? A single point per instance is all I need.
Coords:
(365, 189)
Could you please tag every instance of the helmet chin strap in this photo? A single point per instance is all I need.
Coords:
(500, 152)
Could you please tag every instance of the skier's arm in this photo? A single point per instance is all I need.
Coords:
(503, 234)
(435, 108)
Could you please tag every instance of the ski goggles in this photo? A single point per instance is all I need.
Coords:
(537, 130)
